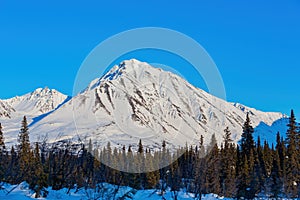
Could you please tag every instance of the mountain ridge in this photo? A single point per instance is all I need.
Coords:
(134, 100)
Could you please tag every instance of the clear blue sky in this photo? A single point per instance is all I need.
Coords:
(255, 44)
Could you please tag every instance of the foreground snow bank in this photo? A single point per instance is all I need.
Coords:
(104, 192)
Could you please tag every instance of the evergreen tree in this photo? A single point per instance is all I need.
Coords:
(201, 147)
(247, 141)
(213, 142)
(90, 147)
(24, 144)
(13, 169)
(212, 181)
(254, 175)
(228, 160)
(24, 151)
(227, 138)
(292, 165)
(281, 151)
(248, 163)
(174, 179)
(152, 175)
(2, 148)
(233, 171)
(200, 168)
(260, 166)
(89, 164)
(38, 180)
(123, 159)
(238, 164)
(292, 130)
(243, 178)
(2, 144)
(163, 170)
(275, 179)
(2, 155)
(140, 148)
(267, 157)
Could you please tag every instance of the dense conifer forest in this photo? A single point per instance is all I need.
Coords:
(247, 170)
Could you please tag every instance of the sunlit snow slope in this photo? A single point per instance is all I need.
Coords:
(34, 105)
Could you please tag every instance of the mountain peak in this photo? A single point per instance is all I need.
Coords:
(126, 66)
(42, 92)
(40, 101)
(130, 68)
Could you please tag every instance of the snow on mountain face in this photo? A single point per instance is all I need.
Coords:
(37, 102)
(268, 117)
(34, 105)
(270, 123)
(136, 101)
(5, 110)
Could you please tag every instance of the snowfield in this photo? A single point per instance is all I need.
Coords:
(19, 192)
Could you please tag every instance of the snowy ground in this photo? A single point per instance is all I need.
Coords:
(105, 192)
(21, 192)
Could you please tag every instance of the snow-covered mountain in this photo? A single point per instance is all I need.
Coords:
(6, 110)
(34, 105)
(137, 101)
(40, 101)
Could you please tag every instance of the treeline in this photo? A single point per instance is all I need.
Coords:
(247, 170)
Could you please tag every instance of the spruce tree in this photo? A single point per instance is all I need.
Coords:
(213, 142)
(2, 155)
(90, 160)
(90, 147)
(292, 165)
(212, 182)
(228, 160)
(254, 175)
(275, 179)
(199, 178)
(201, 147)
(152, 176)
(38, 180)
(13, 172)
(248, 163)
(260, 166)
(140, 147)
(174, 179)
(267, 157)
(247, 141)
(2, 144)
(243, 178)
(131, 167)
(139, 157)
(24, 144)
(227, 138)
(281, 151)
(292, 130)
(163, 170)
(24, 152)
(123, 159)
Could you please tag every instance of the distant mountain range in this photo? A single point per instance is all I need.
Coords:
(133, 101)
